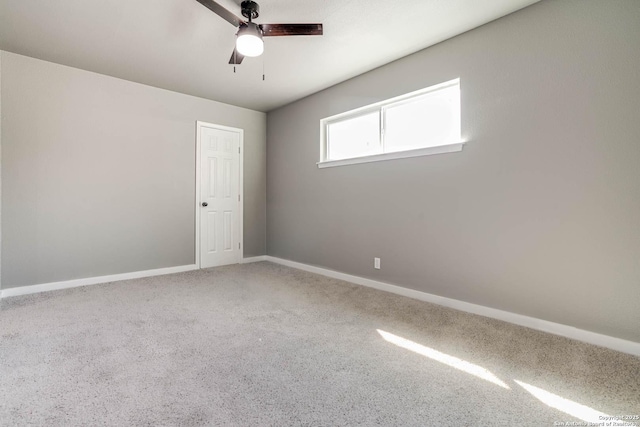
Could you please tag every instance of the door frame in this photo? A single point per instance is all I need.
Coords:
(240, 132)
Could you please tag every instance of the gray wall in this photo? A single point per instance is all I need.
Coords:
(98, 174)
(539, 215)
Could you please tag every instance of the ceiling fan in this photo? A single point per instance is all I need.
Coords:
(249, 36)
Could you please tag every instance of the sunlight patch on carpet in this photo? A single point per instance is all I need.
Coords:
(567, 406)
(454, 362)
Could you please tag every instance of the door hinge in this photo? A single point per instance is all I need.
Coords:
(238, 245)
(238, 150)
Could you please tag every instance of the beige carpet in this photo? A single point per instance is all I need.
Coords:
(266, 345)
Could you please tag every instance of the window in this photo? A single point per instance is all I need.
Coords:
(417, 124)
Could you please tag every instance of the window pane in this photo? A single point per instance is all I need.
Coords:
(359, 136)
(428, 121)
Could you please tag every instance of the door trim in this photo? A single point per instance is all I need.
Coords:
(198, 177)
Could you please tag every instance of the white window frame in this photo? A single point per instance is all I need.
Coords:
(380, 107)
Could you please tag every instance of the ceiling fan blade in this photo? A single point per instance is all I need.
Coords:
(221, 12)
(275, 30)
(236, 57)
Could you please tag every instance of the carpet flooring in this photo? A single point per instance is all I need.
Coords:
(265, 345)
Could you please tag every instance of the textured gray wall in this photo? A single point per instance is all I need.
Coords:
(98, 173)
(539, 215)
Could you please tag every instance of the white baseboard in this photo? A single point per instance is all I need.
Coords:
(54, 286)
(618, 344)
(254, 259)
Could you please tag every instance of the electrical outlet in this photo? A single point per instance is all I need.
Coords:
(376, 263)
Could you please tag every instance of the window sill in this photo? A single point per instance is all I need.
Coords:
(451, 148)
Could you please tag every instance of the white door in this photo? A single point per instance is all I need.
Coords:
(220, 213)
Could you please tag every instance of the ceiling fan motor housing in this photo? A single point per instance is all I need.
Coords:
(250, 9)
(249, 36)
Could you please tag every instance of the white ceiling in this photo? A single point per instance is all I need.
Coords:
(182, 46)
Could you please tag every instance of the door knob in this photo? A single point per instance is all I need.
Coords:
(205, 204)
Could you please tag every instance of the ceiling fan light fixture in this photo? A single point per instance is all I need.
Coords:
(249, 40)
